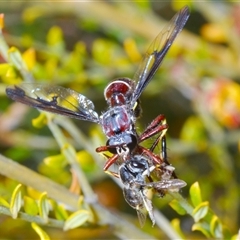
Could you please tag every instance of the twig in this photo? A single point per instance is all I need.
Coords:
(24, 175)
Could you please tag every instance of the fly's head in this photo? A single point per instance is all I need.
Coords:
(119, 91)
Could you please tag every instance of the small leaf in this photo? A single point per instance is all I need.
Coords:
(202, 227)
(57, 161)
(177, 5)
(29, 58)
(235, 237)
(16, 201)
(80, 201)
(59, 211)
(86, 160)
(11, 72)
(15, 57)
(131, 50)
(30, 206)
(200, 211)
(176, 225)
(27, 41)
(177, 207)
(4, 203)
(195, 194)
(43, 207)
(76, 219)
(54, 36)
(68, 147)
(103, 51)
(30, 14)
(33, 193)
(216, 228)
(194, 130)
(83, 205)
(40, 121)
(42, 234)
(4, 67)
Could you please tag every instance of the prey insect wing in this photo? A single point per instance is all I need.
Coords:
(142, 216)
(168, 184)
(55, 99)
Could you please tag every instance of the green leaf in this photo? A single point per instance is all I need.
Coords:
(42, 234)
(86, 160)
(59, 211)
(16, 201)
(76, 219)
(235, 237)
(176, 225)
(4, 67)
(30, 206)
(11, 73)
(144, 5)
(177, 5)
(216, 227)
(40, 121)
(29, 57)
(57, 161)
(103, 51)
(202, 227)
(195, 194)
(30, 14)
(18, 153)
(4, 203)
(54, 36)
(194, 130)
(200, 211)
(15, 57)
(43, 207)
(177, 207)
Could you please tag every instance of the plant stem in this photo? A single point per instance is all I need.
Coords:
(24, 175)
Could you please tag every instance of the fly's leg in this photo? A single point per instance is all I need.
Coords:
(158, 125)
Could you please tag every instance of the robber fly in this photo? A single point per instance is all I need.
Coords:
(122, 96)
(143, 173)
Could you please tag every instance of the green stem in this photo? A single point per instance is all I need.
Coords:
(70, 154)
(30, 218)
(24, 175)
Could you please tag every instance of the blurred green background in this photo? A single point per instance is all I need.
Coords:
(84, 46)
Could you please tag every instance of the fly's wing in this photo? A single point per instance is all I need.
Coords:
(170, 184)
(157, 51)
(55, 99)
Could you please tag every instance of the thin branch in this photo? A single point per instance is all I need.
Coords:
(165, 225)
(24, 175)
(32, 179)
(29, 218)
(70, 155)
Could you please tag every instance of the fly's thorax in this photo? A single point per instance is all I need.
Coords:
(116, 120)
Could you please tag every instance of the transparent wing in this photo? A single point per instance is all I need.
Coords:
(54, 99)
(148, 205)
(170, 184)
(142, 215)
(157, 51)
